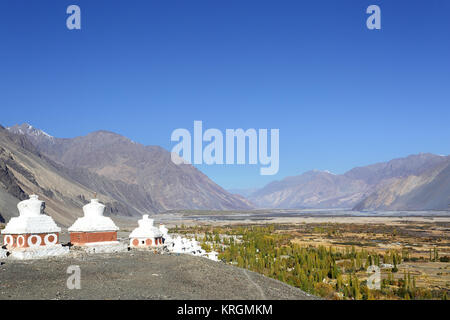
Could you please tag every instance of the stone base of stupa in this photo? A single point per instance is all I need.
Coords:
(158, 250)
(102, 247)
(40, 252)
(3, 253)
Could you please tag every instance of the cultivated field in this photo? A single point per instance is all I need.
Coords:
(413, 253)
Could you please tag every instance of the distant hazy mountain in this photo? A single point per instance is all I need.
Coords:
(361, 187)
(429, 190)
(143, 177)
(397, 168)
(243, 192)
(313, 189)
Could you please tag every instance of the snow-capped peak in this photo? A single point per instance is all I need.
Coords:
(29, 130)
(324, 171)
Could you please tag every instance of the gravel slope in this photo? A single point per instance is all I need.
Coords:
(139, 275)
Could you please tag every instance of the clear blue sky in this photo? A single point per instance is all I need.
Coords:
(341, 95)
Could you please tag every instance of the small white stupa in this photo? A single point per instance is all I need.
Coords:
(178, 245)
(3, 253)
(165, 234)
(32, 234)
(95, 232)
(190, 246)
(184, 245)
(213, 255)
(146, 234)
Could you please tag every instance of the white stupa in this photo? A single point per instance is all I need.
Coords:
(165, 234)
(190, 246)
(178, 245)
(184, 245)
(32, 234)
(95, 232)
(3, 253)
(213, 255)
(146, 234)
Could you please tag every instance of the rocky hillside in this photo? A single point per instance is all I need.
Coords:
(140, 275)
(142, 177)
(25, 171)
(375, 186)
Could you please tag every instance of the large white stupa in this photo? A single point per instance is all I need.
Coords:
(32, 234)
(95, 232)
(146, 234)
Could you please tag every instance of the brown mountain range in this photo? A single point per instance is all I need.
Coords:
(140, 178)
(429, 190)
(134, 179)
(416, 182)
(24, 171)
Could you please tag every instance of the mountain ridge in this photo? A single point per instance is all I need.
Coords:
(429, 190)
(322, 189)
(23, 171)
(141, 177)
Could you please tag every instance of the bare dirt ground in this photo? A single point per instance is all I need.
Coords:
(138, 275)
(309, 220)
